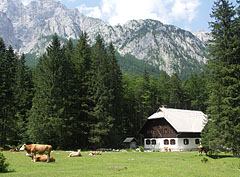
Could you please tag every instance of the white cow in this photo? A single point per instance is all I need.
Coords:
(75, 154)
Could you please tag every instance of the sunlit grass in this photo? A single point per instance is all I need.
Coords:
(130, 164)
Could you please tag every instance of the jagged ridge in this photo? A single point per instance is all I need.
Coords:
(164, 46)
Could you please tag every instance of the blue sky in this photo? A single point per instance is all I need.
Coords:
(190, 15)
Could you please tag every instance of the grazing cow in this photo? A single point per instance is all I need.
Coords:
(202, 149)
(95, 153)
(37, 148)
(75, 154)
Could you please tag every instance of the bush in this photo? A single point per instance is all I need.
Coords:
(141, 148)
(204, 160)
(3, 164)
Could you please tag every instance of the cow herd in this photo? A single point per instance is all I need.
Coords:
(41, 153)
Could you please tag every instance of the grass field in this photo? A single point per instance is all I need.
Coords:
(129, 164)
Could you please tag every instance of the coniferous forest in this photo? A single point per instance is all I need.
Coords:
(77, 96)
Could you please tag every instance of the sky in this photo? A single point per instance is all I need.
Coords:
(191, 15)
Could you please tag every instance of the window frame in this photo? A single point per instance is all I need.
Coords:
(166, 140)
(148, 140)
(186, 141)
(197, 141)
(172, 140)
(155, 142)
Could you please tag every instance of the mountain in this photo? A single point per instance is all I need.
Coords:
(204, 36)
(165, 47)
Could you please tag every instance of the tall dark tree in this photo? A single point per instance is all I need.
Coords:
(130, 118)
(222, 131)
(115, 84)
(80, 103)
(48, 120)
(143, 96)
(3, 90)
(102, 95)
(23, 98)
(8, 63)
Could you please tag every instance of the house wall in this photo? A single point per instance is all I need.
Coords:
(179, 144)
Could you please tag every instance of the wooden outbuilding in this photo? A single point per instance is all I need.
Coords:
(130, 142)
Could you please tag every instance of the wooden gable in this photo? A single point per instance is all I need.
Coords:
(158, 128)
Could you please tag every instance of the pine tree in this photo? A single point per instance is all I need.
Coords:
(130, 118)
(23, 98)
(49, 116)
(2, 92)
(143, 96)
(101, 95)
(115, 84)
(80, 102)
(8, 64)
(222, 131)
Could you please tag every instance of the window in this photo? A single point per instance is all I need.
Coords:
(185, 141)
(172, 142)
(197, 141)
(148, 142)
(154, 142)
(166, 142)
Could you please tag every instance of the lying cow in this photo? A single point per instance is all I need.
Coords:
(95, 153)
(75, 154)
(43, 158)
(14, 150)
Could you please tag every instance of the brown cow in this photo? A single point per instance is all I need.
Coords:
(37, 148)
(43, 158)
(95, 153)
(202, 149)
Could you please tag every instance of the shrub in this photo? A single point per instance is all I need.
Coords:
(141, 148)
(3, 164)
(204, 160)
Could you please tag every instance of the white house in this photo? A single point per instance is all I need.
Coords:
(173, 130)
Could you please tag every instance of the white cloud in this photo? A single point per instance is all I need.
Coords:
(166, 11)
(90, 11)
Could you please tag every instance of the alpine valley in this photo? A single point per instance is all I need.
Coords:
(147, 43)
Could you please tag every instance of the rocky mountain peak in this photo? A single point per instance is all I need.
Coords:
(166, 47)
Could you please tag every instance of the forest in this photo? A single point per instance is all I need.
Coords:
(77, 96)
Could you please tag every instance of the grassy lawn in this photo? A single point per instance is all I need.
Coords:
(125, 164)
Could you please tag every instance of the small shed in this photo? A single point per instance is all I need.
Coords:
(130, 142)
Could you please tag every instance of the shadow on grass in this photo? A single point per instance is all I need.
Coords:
(219, 156)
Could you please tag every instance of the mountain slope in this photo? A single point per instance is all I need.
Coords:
(165, 47)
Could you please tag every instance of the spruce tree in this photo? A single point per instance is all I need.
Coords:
(23, 98)
(115, 84)
(3, 90)
(101, 120)
(8, 65)
(49, 116)
(80, 103)
(222, 131)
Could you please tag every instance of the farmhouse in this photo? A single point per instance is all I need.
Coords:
(173, 130)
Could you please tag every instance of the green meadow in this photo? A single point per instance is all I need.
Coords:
(125, 164)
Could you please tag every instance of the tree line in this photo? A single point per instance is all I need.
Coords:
(77, 96)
